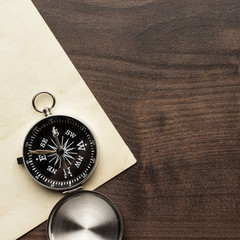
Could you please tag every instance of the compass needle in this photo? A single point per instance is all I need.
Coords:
(54, 131)
(40, 151)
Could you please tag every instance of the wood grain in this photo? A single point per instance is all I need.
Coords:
(167, 75)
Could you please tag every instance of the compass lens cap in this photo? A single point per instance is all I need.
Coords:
(85, 215)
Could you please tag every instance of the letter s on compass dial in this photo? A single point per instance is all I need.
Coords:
(60, 152)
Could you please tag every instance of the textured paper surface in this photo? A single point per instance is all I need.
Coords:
(31, 60)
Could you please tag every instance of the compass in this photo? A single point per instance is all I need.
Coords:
(59, 151)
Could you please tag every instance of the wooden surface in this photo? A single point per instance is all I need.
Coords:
(167, 75)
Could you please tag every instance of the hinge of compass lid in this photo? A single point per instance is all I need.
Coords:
(73, 190)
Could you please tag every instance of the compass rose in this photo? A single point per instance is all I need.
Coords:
(68, 153)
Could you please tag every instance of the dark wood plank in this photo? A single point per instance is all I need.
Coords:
(167, 75)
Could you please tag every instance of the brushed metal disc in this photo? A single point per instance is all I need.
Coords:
(85, 215)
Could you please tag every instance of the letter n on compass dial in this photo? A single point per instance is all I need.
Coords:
(60, 152)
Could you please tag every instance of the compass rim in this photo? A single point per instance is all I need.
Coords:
(78, 184)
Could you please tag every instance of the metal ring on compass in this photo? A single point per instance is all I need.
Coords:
(35, 97)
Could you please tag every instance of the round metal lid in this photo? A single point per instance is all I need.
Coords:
(85, 215)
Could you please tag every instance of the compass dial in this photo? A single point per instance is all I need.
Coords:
(60, 152)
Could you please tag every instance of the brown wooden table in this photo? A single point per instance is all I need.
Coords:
(167, 75)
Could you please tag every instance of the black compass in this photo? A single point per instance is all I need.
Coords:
(59, 151)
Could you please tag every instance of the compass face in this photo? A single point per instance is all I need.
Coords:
(60, 152)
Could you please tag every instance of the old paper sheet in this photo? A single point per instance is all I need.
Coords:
(31, 60)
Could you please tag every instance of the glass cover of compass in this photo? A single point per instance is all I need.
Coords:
(60, 152)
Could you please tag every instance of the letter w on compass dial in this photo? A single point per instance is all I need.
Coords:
(60, 152)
